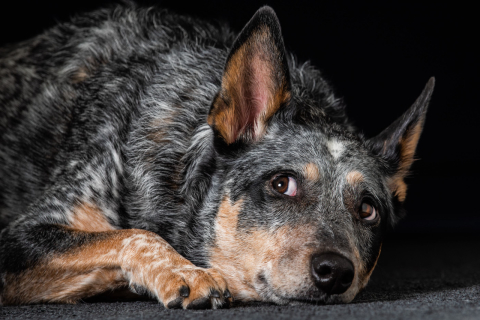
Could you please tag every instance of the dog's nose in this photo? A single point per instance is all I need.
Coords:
(333, 274)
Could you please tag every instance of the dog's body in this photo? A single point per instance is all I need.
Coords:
(137, 149)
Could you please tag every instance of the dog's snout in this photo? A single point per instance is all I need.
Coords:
(333, 274)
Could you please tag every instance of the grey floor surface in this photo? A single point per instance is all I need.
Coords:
(417, 277)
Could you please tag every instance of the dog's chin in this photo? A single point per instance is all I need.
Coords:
(311, 296)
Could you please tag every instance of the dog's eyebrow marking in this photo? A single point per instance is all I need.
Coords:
(335, 148)
(311, 172)
(354, 177)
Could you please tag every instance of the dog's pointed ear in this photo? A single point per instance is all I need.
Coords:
(255, 82)
(398, 142)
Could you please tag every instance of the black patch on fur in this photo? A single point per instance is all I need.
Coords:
(24, 249)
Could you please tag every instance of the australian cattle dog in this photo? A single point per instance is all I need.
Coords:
(152, 151)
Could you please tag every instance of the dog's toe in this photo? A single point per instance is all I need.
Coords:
(227, 294)
(193, 288)
(206, 289)
(184, 291)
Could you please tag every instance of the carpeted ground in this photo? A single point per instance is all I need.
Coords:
(417, 277)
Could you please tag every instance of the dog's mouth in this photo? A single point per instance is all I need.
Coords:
(316, 298)
(307, 293)
(269, 292)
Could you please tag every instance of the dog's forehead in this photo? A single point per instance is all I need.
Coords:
(296, 147)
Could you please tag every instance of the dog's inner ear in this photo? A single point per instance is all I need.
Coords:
(398, 142)
(255, 82)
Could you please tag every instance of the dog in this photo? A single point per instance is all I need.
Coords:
(146, 150)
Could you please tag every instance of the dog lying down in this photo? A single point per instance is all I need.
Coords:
(146, 150)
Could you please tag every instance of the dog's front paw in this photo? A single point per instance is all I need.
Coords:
(193, 288)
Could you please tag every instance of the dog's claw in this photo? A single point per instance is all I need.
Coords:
(175, 304)
(184, 291)
(227, 294)
(192, 288)
(214, 293)
(202, 303)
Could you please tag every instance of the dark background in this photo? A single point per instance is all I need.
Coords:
(378, 57)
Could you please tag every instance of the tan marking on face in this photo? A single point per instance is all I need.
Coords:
(88, 217)
(311, 172)
(289, 251)
(359, 267)
(110, 260)
(354, 177)
(368, 273)
(226, 260)
(283, 255)
(362, 275)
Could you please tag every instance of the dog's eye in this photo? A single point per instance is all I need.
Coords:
(285, 185)
(367, 211)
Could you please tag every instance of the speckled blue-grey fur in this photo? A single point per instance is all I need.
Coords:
(111, 109)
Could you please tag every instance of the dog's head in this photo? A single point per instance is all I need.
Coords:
(305, 200)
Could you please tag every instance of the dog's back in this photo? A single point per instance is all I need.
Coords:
(47, 85)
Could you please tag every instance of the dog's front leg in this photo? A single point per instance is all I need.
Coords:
(152, 263)
(80, 264)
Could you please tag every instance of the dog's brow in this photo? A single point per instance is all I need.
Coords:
(354, 177)
(311, 171)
